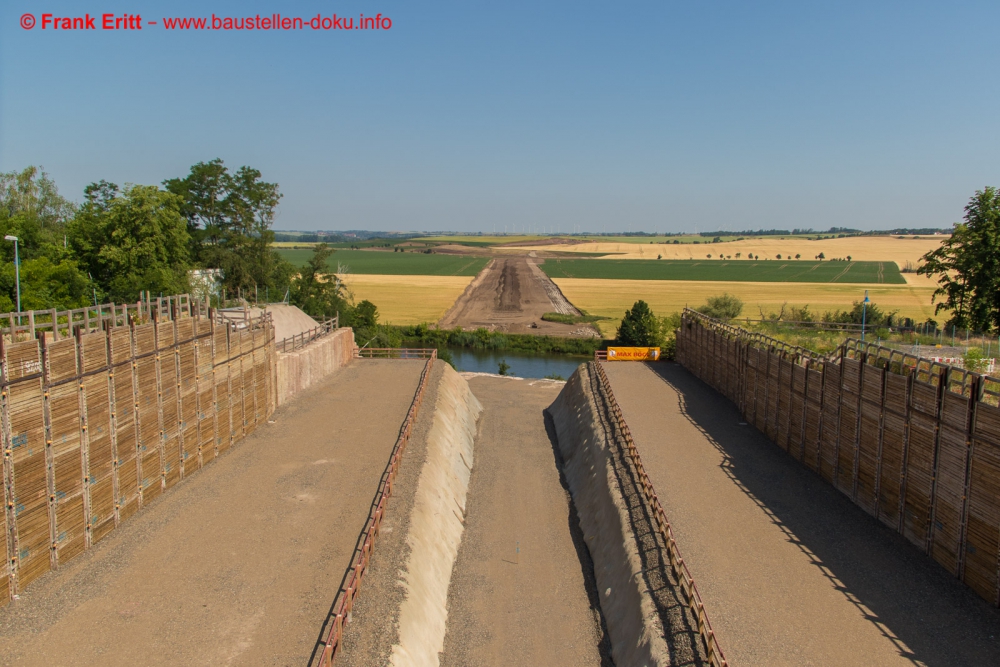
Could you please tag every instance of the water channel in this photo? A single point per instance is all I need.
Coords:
(521, 365)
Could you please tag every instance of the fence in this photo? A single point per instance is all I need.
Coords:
(300, 340)
(100, 422)
(715, 656)
(396, 352)
(362, 554)
(58, 324)
(913, 442)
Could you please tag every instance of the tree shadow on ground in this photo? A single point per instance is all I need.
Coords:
(932, 618)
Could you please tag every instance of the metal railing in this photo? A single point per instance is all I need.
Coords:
(716, 658)
(300, 340)
(362, 556)
(396, 353)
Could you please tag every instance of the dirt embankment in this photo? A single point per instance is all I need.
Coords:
(647, 618)
(511, 294)
(523, 590)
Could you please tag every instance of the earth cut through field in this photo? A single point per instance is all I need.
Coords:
(511, 295)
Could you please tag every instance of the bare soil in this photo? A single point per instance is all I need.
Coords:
(791, 572)
(522, 591)
(510, 295)
(240, 563)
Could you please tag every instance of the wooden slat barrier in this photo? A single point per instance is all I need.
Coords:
(99, 420)
(912, 441)
(344, 602)
(677, 564)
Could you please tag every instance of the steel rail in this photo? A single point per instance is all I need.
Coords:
(344, 602)
(716, 657)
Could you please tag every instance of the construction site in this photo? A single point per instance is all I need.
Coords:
(187, 485)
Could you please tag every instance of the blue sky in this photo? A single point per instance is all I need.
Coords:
(660, 116)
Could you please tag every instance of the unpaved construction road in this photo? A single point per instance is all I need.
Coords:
(537, 606)
(240, 563)
(791, 572)
(511, 295)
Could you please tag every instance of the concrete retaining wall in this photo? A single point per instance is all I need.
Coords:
(305, 367)
(633, 625)
(436, 523)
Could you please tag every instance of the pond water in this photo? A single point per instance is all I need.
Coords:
(521, 365)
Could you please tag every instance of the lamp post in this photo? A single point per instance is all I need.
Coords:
(17, 270)
(864, 313)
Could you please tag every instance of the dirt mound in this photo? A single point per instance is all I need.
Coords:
(511, 294)
(648, 621)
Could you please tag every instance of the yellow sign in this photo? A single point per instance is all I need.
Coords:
(633, 354)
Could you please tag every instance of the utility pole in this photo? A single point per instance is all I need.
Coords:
(17, 272)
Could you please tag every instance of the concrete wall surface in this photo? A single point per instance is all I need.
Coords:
(305, 367)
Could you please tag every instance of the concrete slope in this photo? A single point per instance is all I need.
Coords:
(791, 572)
(239, 564)
(537, 606)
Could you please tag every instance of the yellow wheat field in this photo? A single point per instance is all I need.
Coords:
(408, 299)
(863, 248)
(610, 298)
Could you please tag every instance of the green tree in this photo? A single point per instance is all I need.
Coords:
(639, 327)
(131, 240)
(722, 307)
(317, 291)
(32, 209)
(365, 315)
(229, 218)
(967, 265)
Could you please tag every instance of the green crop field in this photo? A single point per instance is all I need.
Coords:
(727, 270)
(392, 263)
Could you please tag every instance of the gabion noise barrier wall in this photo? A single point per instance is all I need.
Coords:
(914, 443)
(99, 423)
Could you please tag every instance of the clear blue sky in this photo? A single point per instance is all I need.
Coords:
(659, 116)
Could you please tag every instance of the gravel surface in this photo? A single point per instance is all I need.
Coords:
(240, 563)
(373, 628)
(539, 606)
(791, 571)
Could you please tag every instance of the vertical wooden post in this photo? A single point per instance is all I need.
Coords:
(84, 438)
(50, 479)
(55, 324)
(8, 475)
(31, 323)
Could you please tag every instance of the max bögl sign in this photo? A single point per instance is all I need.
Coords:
(633, 354)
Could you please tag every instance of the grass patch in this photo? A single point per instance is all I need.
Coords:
(390, 263)
(483, 339)
(736, 270)
(571, 319)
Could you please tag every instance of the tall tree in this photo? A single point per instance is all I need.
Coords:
(204, 193)
(132, 240)
(229, 218)
(317, 292)
(967, 265)
(32, 209)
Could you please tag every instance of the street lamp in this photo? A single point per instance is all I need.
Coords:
(864, 313)
(17, 270)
